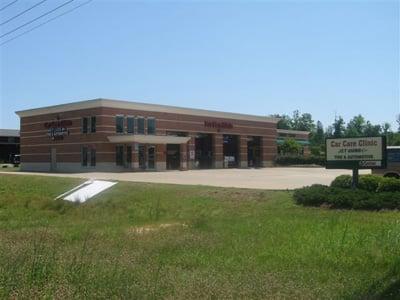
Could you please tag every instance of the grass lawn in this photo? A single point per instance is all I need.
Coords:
(218, 243)
(9, 169)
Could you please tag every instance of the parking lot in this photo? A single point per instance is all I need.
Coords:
(265, 178)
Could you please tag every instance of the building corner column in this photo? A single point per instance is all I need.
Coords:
(135, 156)
(183, 156)
(191, 151)
(218, 150)
(243, 155)
(268, 151)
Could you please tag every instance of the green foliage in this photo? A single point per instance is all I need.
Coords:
(344, 198)
(338, 127)
(389, 184)
(285, 122)
(238, 243)
(356, 126)
(372, 130)
(302, 122)
(369, 182)
(317, 137)
(317, 150)
(313, 195)
(342, 181)
(398, 122)
(300, 160)
(393, 139)
(289, 146)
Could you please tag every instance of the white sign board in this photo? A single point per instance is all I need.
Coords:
(361, 152)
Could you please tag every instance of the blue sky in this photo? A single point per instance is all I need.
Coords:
(259, 57)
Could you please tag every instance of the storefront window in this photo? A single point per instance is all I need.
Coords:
(140, 125)
(151, 126)
(119, 155)
(130, 123)
(93, 157)
(85, 124)
(93, 124)
(84, 156)
(119, 124)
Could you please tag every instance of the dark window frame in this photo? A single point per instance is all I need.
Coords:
(139, 118)
(154, 122)
(133, 124)
(85, 125)
(93, 122)
(92, 157)
(121, 117)
(119, 161)
(84, 156)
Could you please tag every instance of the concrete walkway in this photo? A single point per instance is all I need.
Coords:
(266, 178)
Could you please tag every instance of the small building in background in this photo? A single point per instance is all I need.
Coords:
(301, 137)
(9, 145)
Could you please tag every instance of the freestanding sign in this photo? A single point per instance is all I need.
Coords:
(356, 153)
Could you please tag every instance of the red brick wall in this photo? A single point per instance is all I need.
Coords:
(36, 145)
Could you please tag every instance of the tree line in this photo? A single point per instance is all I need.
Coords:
(356, 126)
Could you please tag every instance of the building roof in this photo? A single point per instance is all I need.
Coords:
(100, 102)
(292, 131)
(9, 132)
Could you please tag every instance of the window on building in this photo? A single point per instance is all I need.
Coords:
(130, 124)
(93, 124)
(140, 125)
(84, 156)
(93, 157)
(85, 124)
(151, 126)
(119, 124)
(119, 155)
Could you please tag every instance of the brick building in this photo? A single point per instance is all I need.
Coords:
(112, 135)
(9, 144)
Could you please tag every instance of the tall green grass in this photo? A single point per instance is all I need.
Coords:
(236, 243)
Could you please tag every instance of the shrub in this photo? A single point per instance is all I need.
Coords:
(317, 195)
(389, 184)
(342, 181)
(389, 200)
(369, 182)
(314, 195)
(300, 160)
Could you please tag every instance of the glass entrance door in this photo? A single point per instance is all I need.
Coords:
(142, 157)
(129, 156)
(151, 159)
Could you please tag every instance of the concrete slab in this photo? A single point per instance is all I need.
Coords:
(86, 190)
(265, 178)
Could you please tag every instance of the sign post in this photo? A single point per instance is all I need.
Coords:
(356, 153)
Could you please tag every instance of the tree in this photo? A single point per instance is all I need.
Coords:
(386, 128)
(306, 122)
(303, 122)
(317, 137)
(372, 130)
(290, 146)
(356, 126)
(338, 127)
(398, 122)
(285, 122)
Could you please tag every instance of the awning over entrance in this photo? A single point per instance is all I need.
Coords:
(148, 139)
